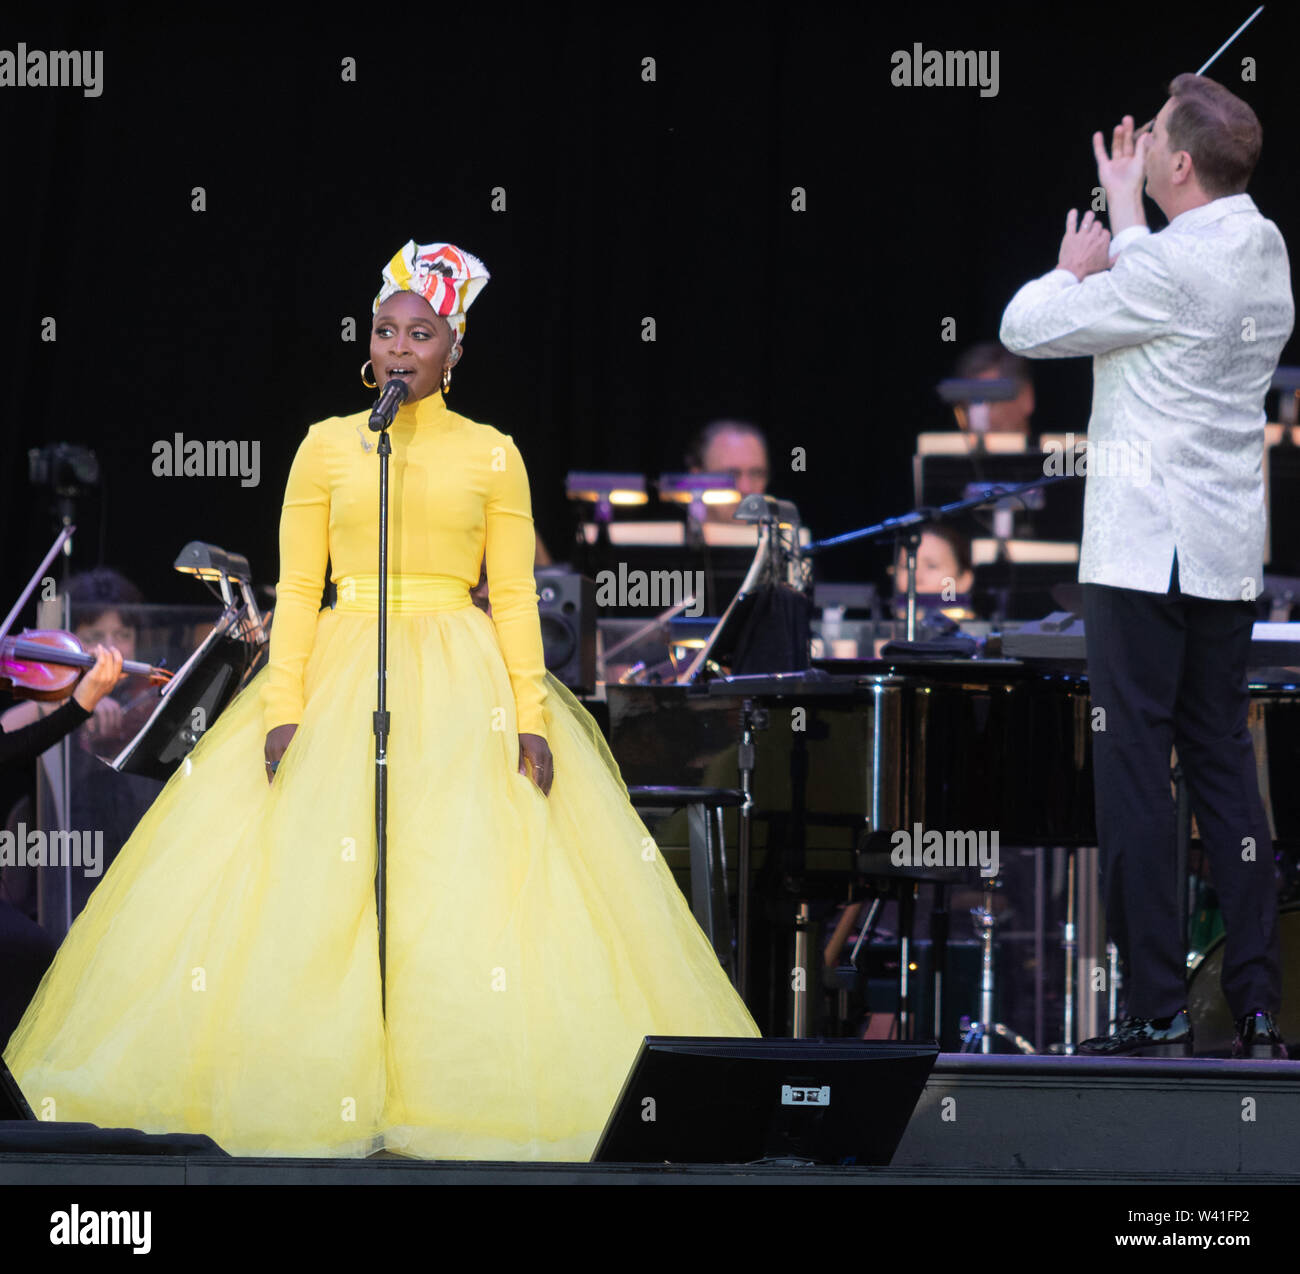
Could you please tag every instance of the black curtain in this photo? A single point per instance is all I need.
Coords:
(625, 199)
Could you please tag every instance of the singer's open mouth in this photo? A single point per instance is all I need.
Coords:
(401, 371)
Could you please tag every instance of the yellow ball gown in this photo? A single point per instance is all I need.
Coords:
(224, 976)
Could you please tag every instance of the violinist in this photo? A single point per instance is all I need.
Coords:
(102, 605)
(25, 948)
(21, 742)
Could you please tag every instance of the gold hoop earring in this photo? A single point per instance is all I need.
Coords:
(369, 384)
(446, 378)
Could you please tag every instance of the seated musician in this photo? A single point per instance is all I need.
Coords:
(103, 604)
(104, 611)
(991, 361)
(735, 447)
(944, 575)
(25, 948)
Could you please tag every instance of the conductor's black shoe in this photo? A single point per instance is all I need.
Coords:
(1144, 1037)
(1258, 1036)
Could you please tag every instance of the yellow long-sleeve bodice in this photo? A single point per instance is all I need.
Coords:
(457, 490)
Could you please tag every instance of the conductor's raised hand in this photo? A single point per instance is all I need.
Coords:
(1085, 249)
(536, 762)
(1122, 173)
(277, 743)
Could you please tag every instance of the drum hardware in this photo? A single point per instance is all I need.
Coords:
(1085, 925)
(977, 1036)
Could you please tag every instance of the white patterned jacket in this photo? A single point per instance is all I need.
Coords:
(1185, 331)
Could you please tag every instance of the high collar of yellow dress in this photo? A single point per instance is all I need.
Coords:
(425, 413)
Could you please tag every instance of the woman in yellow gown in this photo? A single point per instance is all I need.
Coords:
(224, 977)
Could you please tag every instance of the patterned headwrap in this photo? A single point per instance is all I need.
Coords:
(446, 277)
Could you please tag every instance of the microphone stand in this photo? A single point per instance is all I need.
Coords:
(380, 420)
(913, 522)
(381, 723)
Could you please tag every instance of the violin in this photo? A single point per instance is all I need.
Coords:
(45, 663)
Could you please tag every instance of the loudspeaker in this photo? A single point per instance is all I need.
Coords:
(567, 605)
(728, 1100)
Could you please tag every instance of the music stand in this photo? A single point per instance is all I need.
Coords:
(778, 582)
(222, 665)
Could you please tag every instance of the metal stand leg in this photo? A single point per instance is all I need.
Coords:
(906, 906)
(1069, 945)
(1182, 850)
(979, 1033)
(725, 943)
(799, 988)
(938, 953)
(1113, 980)
(865, 936)
(751, 718)
(697, 824)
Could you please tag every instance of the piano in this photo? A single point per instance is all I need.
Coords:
(853, 750)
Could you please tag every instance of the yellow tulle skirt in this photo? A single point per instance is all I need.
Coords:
(224, 976)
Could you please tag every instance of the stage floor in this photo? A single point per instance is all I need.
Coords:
(998, 1119)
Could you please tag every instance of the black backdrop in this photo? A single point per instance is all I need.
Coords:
(624, 199)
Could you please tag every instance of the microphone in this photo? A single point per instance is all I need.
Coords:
(389, 401)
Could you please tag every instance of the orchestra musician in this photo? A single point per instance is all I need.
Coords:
(104, 611)
(25, 948)
(735, 447)
(990, 360)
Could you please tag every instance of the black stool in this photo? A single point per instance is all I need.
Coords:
(703, 806)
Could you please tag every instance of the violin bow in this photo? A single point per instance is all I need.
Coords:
(59, 542)
(1214, 57)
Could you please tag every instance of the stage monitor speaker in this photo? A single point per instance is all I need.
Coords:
(728, 1100)
(567, 604)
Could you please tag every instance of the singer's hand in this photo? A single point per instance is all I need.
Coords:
(535, 754)
(277, 743)
(1085, 250)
